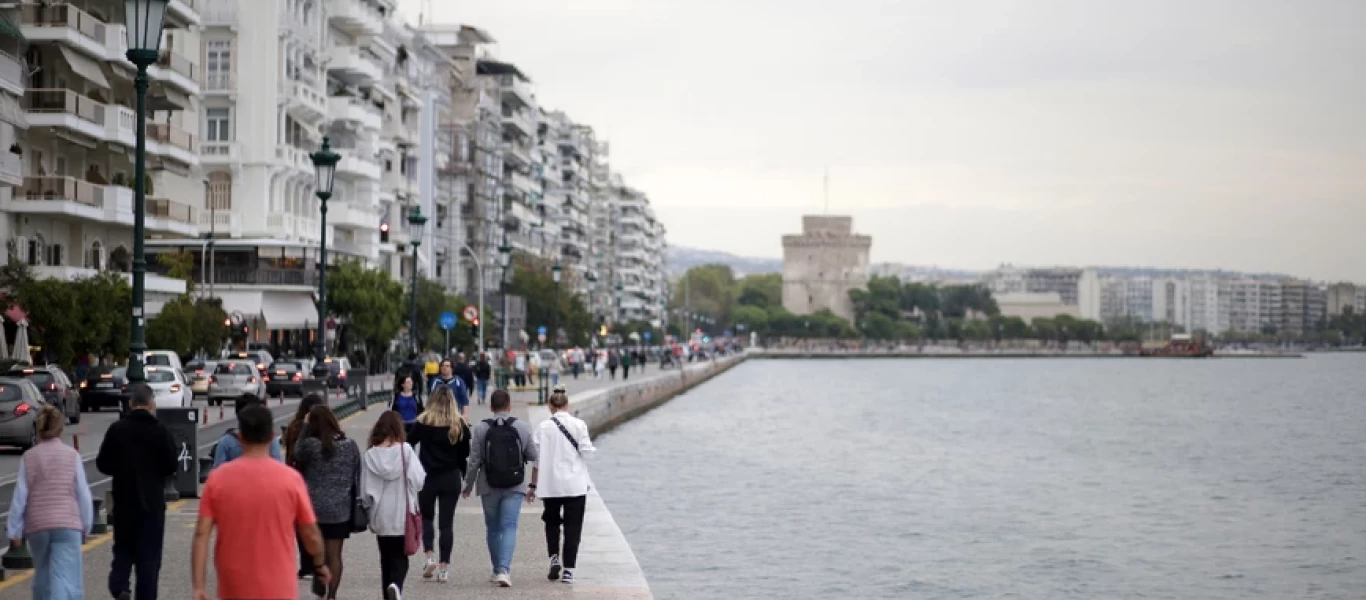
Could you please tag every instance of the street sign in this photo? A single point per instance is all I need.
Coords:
(540, 337)
(540, 331)
(471, 313)
(447, 320)
(648, 335)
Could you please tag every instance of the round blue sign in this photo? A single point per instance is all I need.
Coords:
(447, 320)
(648, 335)
(540, 330)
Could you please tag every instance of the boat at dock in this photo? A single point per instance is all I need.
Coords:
(1182, 345)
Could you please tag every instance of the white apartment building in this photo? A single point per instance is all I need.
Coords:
(1076, 287)
(638, 270)
(567, 152)
(66, 182)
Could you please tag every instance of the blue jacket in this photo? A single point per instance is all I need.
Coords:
(457, 385)
(229, 448)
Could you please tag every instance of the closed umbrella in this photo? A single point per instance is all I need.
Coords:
(21, 344)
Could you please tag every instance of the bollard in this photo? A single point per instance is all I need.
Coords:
(282, 397)
(98, 526)
(206, 416)
(76, 442)
(17, 558)
(220, 410)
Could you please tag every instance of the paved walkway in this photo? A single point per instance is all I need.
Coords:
(607, 568)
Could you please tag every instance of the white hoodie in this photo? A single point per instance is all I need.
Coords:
(382, 487)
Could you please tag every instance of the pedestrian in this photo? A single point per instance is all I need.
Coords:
(330, 465)
(391, 479)
(448, 379)
(499, 451)
(553, 367)
(139, 455)
(519, 367)
(613, 361)
(575, 361)
(599, 363)
(51, 508)
(560, 479)
(461, 368)
(533, 366)
(482, 372)
(443, 445)
(230, 446)
(626, 365)
(641, 359)
(255, 507)
(406, 402)
(292, 431)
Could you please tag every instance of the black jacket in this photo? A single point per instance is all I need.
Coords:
(483, 370)
(463, 371)
(139, 453)
(435, 450)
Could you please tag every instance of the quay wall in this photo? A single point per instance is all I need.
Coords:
(603, 409)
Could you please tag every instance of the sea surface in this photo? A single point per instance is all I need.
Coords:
(976, 478)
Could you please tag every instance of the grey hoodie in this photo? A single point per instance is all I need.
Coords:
(381, 485)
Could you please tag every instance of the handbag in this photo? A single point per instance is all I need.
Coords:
(412, 522)
(360, 517)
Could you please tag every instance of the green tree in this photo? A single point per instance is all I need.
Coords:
(370, 303)
(106, 302)
(709, 290)
(754, 318)
(761, 291)
(54, 309)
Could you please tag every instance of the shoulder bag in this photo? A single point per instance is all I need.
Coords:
(412, 521)
(567, 435)
(360, 518)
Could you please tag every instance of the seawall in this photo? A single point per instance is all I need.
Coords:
(604, 409)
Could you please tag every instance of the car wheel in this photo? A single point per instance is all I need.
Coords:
(74, 419)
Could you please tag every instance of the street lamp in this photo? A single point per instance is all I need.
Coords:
(145, 19)
(418, 223)
(324, 171)
(505, 257)
(555, 314)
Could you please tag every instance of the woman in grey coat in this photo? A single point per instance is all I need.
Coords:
(330, 465)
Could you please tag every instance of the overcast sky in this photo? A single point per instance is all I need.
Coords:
(1170, 133)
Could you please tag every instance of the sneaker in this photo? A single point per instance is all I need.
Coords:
(429, 568)
(568, 576)
(503, 580)
(392, 593)
(493, 577)
(554, 568)
(124, 595)
(443, 576)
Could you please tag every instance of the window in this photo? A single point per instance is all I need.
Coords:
(218, 125)
(36, 250)
(54, 255)
(218, 64)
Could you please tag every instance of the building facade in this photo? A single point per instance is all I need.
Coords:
(823, 264)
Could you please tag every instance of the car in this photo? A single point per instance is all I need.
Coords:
(55, 386)
(104, 386)
(20, 402)
(170, 387)
(198, 372)
(285, 377)
(162, 358)
(337, 369)
(233, 378)
(260, 358)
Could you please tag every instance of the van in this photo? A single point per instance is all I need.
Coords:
(162, 358)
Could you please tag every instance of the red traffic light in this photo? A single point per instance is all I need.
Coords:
(384, 227)
(227, 322)
(475, 322)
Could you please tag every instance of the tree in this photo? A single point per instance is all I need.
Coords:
(54, 309)
(707, 289)
(533, 280)
(754, 318)
(369, 301)
(761, 291)
(106, 302)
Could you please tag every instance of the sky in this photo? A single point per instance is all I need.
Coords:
(1167, 133)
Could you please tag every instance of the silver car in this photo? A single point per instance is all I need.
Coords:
(20, 402)
(233, 378)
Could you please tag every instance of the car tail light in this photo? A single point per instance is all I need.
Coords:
(51, 387)
(175, 387)
(260, 367)
(84, 385)
(22, 409)
(213, 379)
(298, 377)
(199, 371)
(251, 380)
(265, 378)
(341, 373)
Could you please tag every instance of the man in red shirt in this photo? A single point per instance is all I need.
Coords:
(257, 505)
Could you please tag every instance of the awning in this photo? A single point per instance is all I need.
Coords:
(246, 303)
(85, 68)
(286, 311)
(165, 98)
(11, 112)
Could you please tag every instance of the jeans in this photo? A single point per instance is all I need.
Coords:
(571, 519)
(57, 573)
(138, 539)
(393, 561)
(554, 379)
(441, 491)
(625, 371)
(501, 510)
(481, 387)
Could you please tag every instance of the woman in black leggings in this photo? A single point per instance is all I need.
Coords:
(443, 441)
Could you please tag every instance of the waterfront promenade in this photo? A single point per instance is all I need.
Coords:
(607, 566)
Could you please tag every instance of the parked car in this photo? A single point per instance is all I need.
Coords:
(170, 386)
(285, 377)
(231, 379)
(338, 369)
(105, 386)
(198, 372)
(162, 358)
(55, 386)
(20, 402)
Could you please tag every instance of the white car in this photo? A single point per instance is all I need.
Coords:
(170, 386)
(162, 358)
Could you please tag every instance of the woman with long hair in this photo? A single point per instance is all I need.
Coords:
(291, 437)
(330, 465)
(51, 509)
(406, 402)
(391, 479)
(442, 439)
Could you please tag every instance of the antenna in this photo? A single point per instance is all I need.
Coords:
(826, 185)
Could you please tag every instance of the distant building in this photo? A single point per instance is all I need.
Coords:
(1340, 296)
(823, 264)
(1033, 305)
(1079, 288)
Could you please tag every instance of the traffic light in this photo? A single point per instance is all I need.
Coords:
(474, 328)
(383, 233)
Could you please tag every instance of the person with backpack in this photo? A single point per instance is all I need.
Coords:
(229, 447)
(449, 379)
(563, 443)
(500, 449)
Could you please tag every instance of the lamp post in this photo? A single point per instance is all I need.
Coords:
(555, 310)
(324, 171)
(418, 223)
(480, 267)
(144, 19)
(505, 257)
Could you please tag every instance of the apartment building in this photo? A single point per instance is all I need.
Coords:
(568, 153)
(1340, 297)
(1076, 287)
(638, 270)
(66, 182)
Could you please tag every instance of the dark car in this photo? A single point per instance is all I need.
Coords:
(55, 386)
(105, 386)
(20, 402)
(337, 369)
(285, 377)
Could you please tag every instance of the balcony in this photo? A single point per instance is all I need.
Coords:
(260, 276)
(355, 18)
(66, 24)
(520, 121)
(353, 66)
(12, 74)
(168, 215)
(64, 109)
(305, 101)
(517, 153)
(353, 110)
(294, 157)
(346, 216)
(524, 183)
(178, 71)
(218, 83)
(219, 13)
(355, 167)
(11, 169)
(154, 283)
(518, 88)
(175, 143)
(220, 222)
(219, 153)
(182, 14)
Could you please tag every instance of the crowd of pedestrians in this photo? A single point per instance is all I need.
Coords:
(280, 509)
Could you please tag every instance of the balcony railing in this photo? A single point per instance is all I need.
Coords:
(170, 135)
(62, 188)
(63, 15)
(247, 275)
(167, 209)
(12, 69)
(218, 82)
(62, 101)
(177, 63)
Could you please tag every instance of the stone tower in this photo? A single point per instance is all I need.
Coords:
(822, 264)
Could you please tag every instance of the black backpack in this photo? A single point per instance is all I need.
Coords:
(504, 466)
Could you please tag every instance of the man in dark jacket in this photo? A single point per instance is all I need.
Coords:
(139, 454)
(462, 369)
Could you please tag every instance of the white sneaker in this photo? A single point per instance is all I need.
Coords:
(503, 580)
(392, 593)
(443, 576)
(567, 576)
(429, 568)
(493, 577)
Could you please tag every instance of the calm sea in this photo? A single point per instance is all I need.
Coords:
(1094, 479)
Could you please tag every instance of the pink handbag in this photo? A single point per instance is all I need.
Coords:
(412, 521)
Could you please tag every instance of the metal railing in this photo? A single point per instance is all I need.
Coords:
(62, 101)
(63, 188)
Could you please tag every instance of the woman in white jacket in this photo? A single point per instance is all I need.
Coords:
(382, 490)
